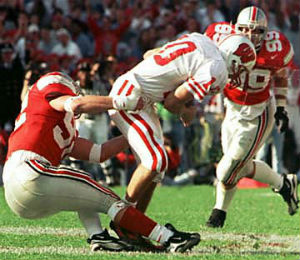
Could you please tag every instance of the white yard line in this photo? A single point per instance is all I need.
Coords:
(237, 243)
(43, 230)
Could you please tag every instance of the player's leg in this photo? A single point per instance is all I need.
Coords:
(144, 135)
(34, 190)
(284, 184)
(37, 190)
(240, 140)
(172, 240)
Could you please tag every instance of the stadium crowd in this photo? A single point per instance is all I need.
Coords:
(95, 41)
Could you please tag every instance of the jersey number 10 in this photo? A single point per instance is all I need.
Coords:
(173, 51)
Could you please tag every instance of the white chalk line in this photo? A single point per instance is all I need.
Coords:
(236, 243)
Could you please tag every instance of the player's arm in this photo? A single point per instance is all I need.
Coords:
(281, 87)
(95, 104)
(86, 150)
(280, 90)
(179, 102)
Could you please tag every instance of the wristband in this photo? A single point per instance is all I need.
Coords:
(68, 102)
(95, 153)
(280, 96)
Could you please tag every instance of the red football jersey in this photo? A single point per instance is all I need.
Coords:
(276, 52)
(41, 129)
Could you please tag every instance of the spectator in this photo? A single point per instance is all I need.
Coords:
(11, 74)
(3, 150)
(81, 38)
(169, 34)
(293, 108)
(66, 46)
(27, 46)
(209, 14)
(106, 38)
(33, 72)
(46, 42)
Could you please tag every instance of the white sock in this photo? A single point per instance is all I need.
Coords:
(265, 174)
(160, 234)
(91, 222)
(223, 196)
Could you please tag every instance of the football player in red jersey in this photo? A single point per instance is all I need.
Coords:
(37, 185)
(251, 112)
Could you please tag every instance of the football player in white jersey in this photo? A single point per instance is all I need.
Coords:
(178, 73)
(36, 184)
(250, 113)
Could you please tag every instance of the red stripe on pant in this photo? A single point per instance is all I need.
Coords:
(150, 130)
(260, 135)
(56, 171)
(143, 137)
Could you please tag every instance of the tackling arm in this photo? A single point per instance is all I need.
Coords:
(86, 150)
(95, 104)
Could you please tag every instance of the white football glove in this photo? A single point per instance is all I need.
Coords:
(126, 102)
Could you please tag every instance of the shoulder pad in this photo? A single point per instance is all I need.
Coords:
(276, 52)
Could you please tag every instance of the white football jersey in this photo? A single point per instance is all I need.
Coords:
(193, 60)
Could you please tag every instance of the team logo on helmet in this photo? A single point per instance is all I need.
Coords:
(239, 54)
(245, 52)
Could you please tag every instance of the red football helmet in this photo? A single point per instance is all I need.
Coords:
(239, 54)
(59, 77)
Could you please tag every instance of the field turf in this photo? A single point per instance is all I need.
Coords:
(257, 227)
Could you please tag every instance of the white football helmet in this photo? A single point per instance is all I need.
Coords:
(253, 23)
(239, 54)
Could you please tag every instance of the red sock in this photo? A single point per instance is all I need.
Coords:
(135, 221)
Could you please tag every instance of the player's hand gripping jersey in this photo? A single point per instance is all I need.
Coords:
(276, 52)
(192, 60)
(41, 129)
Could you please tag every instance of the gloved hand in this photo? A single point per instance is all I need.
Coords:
(281, 119)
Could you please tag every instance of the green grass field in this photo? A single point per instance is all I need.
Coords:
(257, 227)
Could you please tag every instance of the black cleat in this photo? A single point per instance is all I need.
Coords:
(104, 241)
(181, 241)
(216, 219)
(138, 242)
(289, 192)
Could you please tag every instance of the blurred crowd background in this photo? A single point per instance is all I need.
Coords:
(95, 41)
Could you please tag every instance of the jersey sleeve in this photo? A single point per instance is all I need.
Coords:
(288, 53)
(209, 79)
